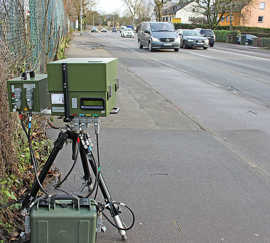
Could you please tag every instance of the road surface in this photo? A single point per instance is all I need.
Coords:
(189, 151)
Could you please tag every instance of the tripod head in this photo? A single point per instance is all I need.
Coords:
(79, 124)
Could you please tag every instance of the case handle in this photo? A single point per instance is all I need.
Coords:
(75, 200)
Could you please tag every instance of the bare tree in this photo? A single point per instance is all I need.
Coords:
(134, 7)
(86, 5)
(144, 12)
(158, 8)
(214, 10)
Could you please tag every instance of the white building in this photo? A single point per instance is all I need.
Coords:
(188, 12)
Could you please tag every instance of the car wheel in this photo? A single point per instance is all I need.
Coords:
(176, 49)
(140, 44)
(184, 45)
(205, 48)
(181, 45)
(150, 46)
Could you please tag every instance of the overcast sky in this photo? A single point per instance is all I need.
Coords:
(110, 6)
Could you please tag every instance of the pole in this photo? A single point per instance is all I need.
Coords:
(81, 17)
(231, 15)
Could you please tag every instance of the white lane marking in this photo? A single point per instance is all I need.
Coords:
(248, 54)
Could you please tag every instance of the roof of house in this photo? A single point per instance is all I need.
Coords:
(170, 8)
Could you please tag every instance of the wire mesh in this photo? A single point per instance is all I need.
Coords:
(30, 31)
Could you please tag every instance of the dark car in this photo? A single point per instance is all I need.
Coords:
(246, 39)
(158, 35)
(209, 34)
(191, 39)
(114, 29)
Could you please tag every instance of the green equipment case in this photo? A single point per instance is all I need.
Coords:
(91, 85)
(30, 94)
(64, 221)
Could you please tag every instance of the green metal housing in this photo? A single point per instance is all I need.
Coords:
(63, 224)
(17, 93)
(92, 83)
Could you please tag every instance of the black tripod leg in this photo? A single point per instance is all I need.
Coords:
(87, 176)
(58, 145)
(108, 199)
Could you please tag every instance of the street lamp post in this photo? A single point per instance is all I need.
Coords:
(81, 17)
(231, 15)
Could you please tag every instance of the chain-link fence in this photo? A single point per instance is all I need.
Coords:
(48, 25)
(261, 42)
(12, 32)
(30, 32)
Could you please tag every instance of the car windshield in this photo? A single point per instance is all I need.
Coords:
(190, 33)
(207, 32)
(162, 27)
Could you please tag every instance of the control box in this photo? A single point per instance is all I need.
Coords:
(28, 94)
(83, 86)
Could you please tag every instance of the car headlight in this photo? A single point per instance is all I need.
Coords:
(155, 39)
(190, 40)
(206, 41)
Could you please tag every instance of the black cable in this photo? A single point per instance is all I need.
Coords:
(33, 160)
(32, 156)
(68, 174)
(71, 169)
(23, 127)
(112, 223)
(68, 193)
(98, 167)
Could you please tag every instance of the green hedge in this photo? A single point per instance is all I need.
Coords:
(189, 26)
(226, 36)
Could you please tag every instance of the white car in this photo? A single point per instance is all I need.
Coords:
(104, 30)
(127, 33)
(122, 28)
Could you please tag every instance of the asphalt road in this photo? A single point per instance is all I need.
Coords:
(189, 151)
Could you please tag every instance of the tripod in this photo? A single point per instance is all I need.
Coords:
(79, 137)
